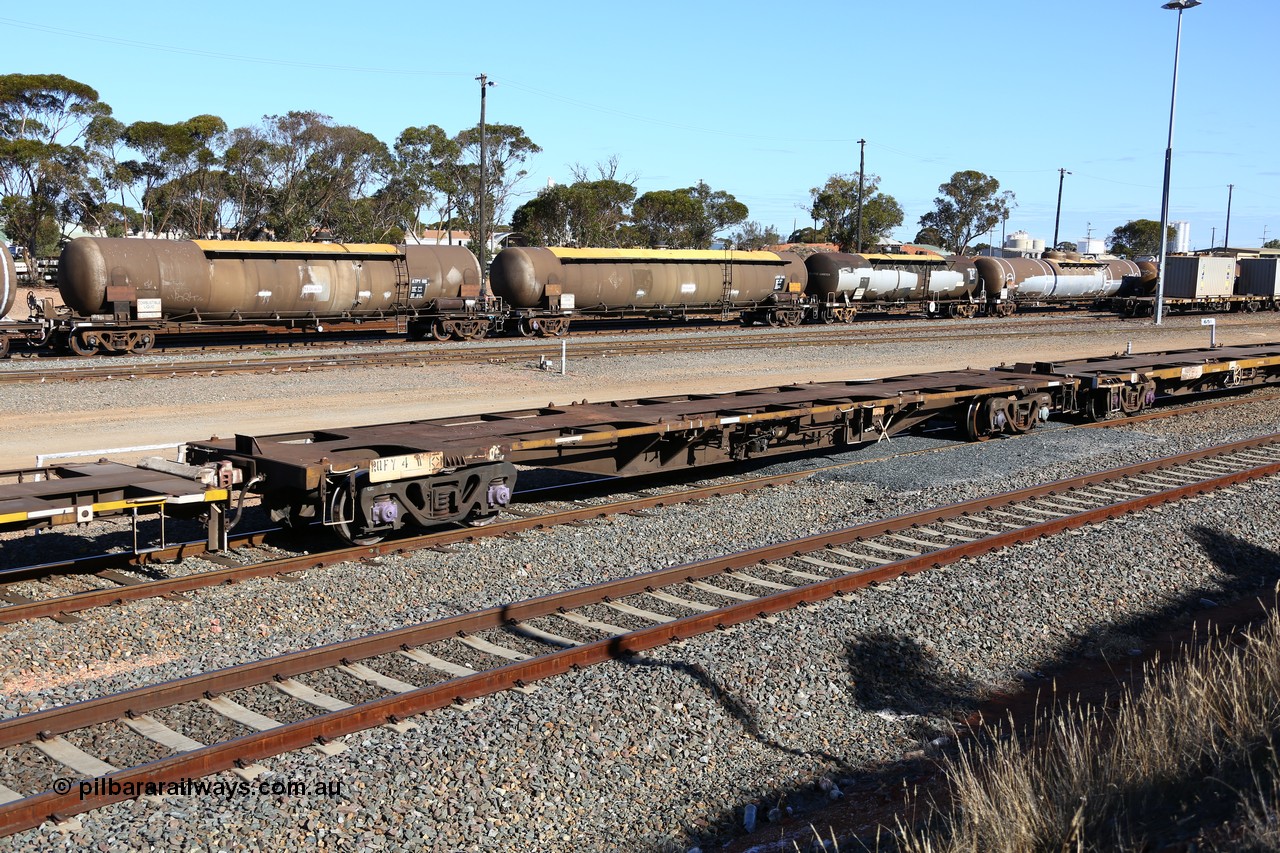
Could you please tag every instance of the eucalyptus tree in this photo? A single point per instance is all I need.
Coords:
(752, 236)
(969, 204)
(298, 172)
(1137, 237)
(688, 218)
(507, 147)
(49, 127)
(180, 172)
(836, 205)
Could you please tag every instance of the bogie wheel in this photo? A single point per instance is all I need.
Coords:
(562, 328)
(527, 327)
(145, 342)
(439, 331)
(481, 330)
(4, 346)
(348, 519)
(82, 343)
(1251, 307)
(828, 317)
(772, 319)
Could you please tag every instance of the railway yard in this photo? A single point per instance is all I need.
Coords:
(649, 663)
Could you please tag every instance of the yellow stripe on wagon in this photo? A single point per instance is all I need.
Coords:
(102, 507)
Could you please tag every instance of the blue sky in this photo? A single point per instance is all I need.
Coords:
(763, 100)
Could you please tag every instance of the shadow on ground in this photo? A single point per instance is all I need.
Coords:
(892, 674)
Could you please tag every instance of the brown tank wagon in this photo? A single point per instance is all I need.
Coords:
(128, 289)
(547, 286)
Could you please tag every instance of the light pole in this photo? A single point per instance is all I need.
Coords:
(485, 83)
(1181, 6)
(862, 163)
(1062, 174)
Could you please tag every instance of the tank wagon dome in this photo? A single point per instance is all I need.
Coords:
(594, 279)
(8, 282)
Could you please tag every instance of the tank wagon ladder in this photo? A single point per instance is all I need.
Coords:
(401, 306)
(727, 291)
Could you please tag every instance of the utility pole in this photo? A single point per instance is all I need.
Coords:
(484, 247)
(1226, 238)
(1062, 174)
(862, 163)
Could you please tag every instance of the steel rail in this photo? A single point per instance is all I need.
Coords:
(64, 605)
(293, 339)
(31, 811)
(520, 350)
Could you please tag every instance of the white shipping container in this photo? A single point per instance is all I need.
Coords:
(1190, 277)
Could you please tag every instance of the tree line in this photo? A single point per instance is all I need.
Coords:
(65, 160)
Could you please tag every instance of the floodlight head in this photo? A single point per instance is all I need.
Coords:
(1181, 4)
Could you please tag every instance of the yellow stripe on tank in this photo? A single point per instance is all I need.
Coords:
(709, 255)
(268, 248)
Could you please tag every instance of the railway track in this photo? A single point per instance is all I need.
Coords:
(120, 588)
(383, 333)
(128, 368)
(526, 641)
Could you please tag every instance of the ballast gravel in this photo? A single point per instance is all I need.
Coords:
(665, 750)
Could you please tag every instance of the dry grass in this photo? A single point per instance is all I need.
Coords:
(1192, 755)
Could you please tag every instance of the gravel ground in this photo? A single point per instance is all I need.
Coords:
(663, 751)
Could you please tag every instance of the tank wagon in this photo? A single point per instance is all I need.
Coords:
(545, 288)
(121, 293)
(8, 282)
(841, 285)
(1056, 279)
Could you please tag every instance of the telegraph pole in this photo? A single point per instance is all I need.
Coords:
(1062, 174)
(484, 248)
(862, 164)
(1226, 238)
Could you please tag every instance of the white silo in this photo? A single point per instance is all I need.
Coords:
(1181, 242)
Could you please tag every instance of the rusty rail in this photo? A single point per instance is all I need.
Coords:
(128, 368)
(33, 810)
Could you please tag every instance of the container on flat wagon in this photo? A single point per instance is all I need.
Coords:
(1189, 277)
(1259, 277)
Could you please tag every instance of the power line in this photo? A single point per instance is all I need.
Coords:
(216, 55)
